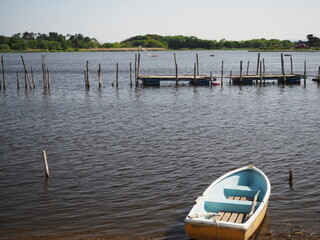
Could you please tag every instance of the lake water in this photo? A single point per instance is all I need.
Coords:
(128, 163)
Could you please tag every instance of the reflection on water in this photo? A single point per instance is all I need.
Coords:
(128, 163)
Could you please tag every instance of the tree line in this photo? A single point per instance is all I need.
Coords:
(57, 42)
(51, 41)
(185, 42)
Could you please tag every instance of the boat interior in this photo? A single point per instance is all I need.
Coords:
(235, 197)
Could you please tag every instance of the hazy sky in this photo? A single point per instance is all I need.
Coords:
(116, 20)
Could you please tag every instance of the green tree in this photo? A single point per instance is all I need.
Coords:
(4, 48)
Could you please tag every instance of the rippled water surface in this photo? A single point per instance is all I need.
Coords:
(128, 163)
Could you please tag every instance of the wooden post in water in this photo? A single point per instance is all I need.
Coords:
(264, 67)
(26, 77)
(176, 67)
(230, 77)
(258, 62)
(87, 75)
(290, 178)
(32, 79)
(48, 77)
(45, 164)
(135, 69)
(195, 73)
(117, 75)
(305, 72)
(99, 76)
(222, 73)
(197, 58)
(3, 77)
(240, 72)
(318, 75)
(131, 75)
(138, 70)
(85, 79)
(291, 65)
(248, 68)
(18, 84)
(282, 68)
(260, 72)
(44, 75)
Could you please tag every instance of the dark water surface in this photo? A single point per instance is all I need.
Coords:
(128, 163)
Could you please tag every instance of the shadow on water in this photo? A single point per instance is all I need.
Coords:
(176, 231)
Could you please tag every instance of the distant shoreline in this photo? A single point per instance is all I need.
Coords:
(136, 49)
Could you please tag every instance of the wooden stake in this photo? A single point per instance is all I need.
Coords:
(195, 73)
(48, 78)
(45, 164)
(305, 72)
(240, 72)
(176, 66)
(32, 79)
(130, 74)
(117, 76)
(258, 61)
(135, 69)
(18, 84)
(44, 76)
(3, 77)
(177, 78)
(222, 73)
(282, 68)
(197, 58)
(230, 77)
(99, 76)
(138, 70)
(291, 178)
(291, 65)
(26, 76)
(248, 68)
(260, 72)
(87, 75)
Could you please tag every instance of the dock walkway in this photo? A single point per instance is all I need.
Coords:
(154, 80)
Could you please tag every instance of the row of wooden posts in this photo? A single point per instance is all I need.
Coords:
(136, 70)
(28, 83)
(47, 172)
(260, 70)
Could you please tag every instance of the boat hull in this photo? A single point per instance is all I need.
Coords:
(218, 230)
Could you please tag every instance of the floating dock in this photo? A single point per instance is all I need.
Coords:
(205, 80)
(154, 80)
(280, 78)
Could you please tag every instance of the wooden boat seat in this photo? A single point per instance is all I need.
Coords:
(234, 217)
(241, 191)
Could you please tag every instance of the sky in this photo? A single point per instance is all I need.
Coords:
(117, 20)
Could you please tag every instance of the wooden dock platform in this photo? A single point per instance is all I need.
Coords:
(280, 78)
(154, 80)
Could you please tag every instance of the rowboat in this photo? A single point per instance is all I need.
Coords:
(231, 208)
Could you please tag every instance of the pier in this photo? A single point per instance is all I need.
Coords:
(155, 80)
(280, 78)
(241, 79)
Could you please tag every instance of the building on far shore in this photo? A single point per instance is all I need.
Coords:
(301, 44)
